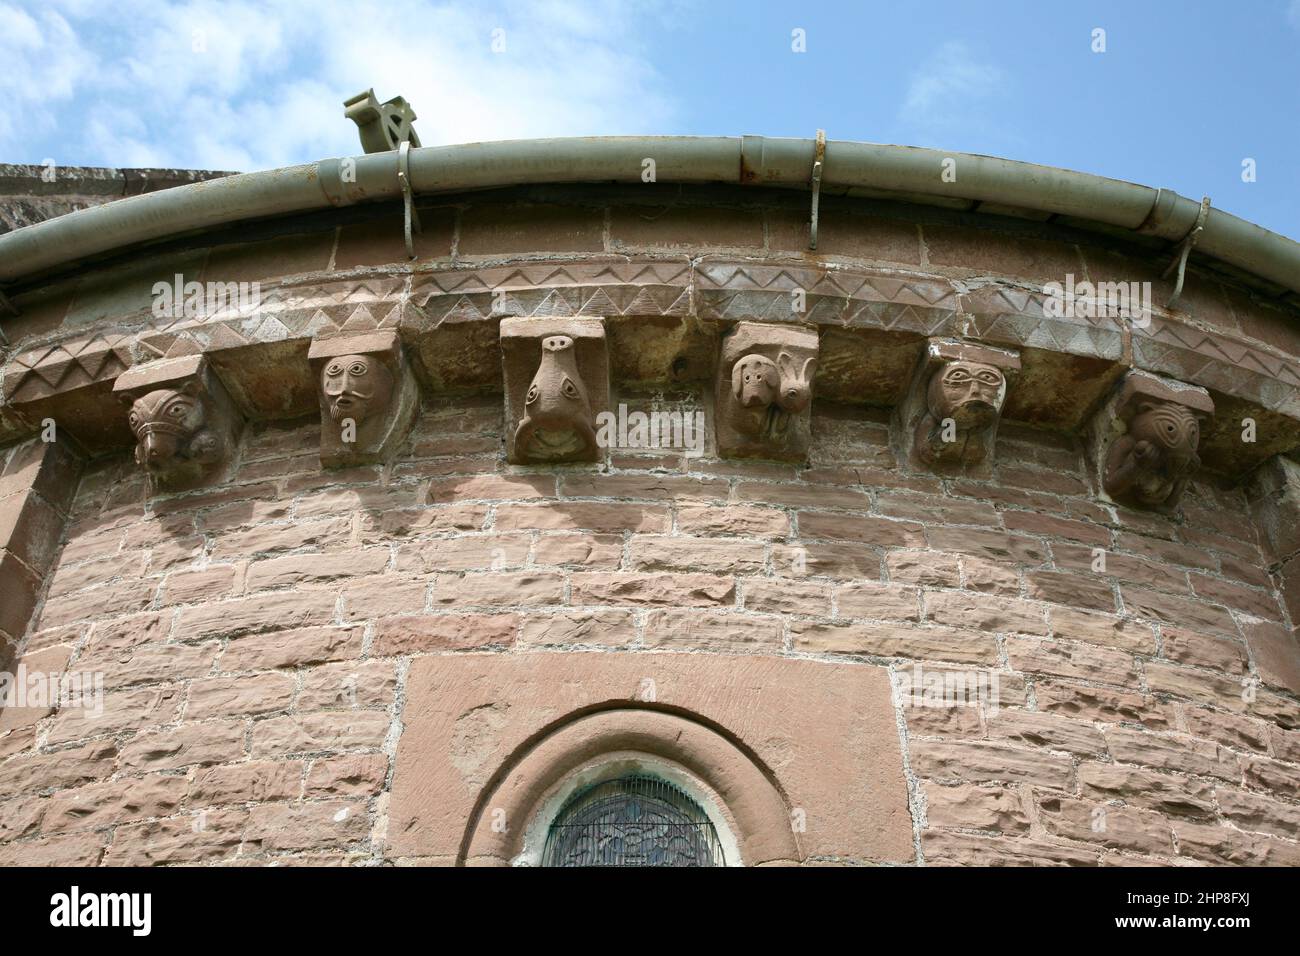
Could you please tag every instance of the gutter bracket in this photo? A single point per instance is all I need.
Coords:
(1185, 249)
(410, 219)
(819, 163)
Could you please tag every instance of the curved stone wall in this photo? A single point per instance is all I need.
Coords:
(863, 647)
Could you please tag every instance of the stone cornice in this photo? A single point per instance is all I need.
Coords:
(664, 314)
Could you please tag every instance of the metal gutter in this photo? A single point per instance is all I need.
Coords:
(748, 160)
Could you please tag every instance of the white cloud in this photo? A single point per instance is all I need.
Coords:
(949, 87)
(124, 85)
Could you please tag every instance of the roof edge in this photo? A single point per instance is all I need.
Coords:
(748, 160)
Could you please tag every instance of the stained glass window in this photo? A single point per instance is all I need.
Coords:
(632, 821)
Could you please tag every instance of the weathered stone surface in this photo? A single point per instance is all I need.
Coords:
(460, 732)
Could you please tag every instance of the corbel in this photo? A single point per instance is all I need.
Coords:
(1144, 440)
(763, 392)
(949, 418)
(185, 425)
(368, 396)
(556, 384)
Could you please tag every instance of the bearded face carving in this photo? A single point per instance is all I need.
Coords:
(1152, 461)
(367, 396)
(557, 424)
(356, 387)
(963, 400)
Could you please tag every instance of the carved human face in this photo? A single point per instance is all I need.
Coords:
(163, 422)
(968, 392)
(356, 386)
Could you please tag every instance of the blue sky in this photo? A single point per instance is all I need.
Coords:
(1183, 93)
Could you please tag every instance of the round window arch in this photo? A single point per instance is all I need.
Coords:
(637, 819)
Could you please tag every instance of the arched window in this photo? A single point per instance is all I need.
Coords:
(635, 820)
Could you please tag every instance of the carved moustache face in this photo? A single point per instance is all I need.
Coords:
(967, 392)
(356, 385)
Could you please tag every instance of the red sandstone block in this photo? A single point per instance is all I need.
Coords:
(492, 488)
(256, 780)
(136, 709)
(244, 696)
(266, 539)
(120, 801)
(592, 551)
(977, 761)
(975, 808)
(603, 628)
(953, 848)
(208, 836)
(297, 570)
(60, 769)
(352, 775)
(748, 521)
(498, 588)
(1124, 828)
(652, 487)
(992, 545)
(841, 560)
(284, 610)
(1177, 753)
(783, 596)
(1071, 660)
(892, 640)
(193, 587)
(30, 528)
(78, 849)
(477, 552)
(804, 496)
(409, 634)
(664, 590)
(184, 746)
(963, 609)
(1180, 612)
(934, 510)
(881, 532)
(581, 516)
(18, 588)
(705, 630)
(280, 827)
(1077, 590)
(346, 686)
(1172, 794)
(383, 594)
(875, 601)
(319, 733)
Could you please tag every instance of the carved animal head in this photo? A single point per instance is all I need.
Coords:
(165, 422)
(796, 382)
(356, 386)
(557, 420)
(1170, 428)
(755, 381)
(970, 393)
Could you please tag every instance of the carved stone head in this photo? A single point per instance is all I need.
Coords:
(558, 424)
(356, 386)
(367, 396)
(949, 418)
(556, 372)
(184, 422)
(1154, 429)
(969, 393)
(168, 426)
(764, 390)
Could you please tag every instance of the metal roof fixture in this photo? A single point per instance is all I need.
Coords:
(818, 161)
(904, 173)
(382, 125)
(1185, 248)
(632, 821)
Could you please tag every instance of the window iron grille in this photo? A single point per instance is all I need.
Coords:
(632, 821)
